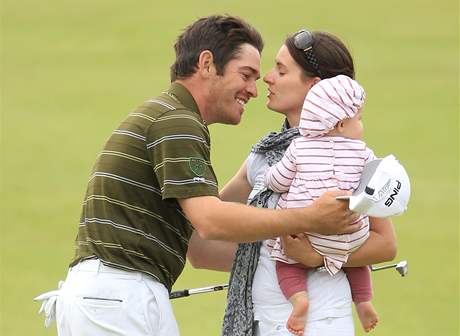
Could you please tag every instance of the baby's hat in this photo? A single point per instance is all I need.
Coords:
(328, 102)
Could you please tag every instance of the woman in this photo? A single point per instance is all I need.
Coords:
(256, 305)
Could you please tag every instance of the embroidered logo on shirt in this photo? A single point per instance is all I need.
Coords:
(197, 165)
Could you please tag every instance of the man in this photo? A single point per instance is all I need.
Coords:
(153, 184)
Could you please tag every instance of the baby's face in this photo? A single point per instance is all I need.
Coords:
(353, 127)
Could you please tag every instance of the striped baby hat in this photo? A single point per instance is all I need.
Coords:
(328, 102)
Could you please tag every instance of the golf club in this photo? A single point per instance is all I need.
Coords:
(188, 292)
(401, 267)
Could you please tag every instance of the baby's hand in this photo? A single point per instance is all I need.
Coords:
(298, 248)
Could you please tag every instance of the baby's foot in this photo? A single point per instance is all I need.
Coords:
(367, 315)
(298, 317)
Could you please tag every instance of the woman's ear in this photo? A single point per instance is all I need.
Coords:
(312, 81)
(316, 80)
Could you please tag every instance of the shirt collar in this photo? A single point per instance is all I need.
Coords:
(184, 96)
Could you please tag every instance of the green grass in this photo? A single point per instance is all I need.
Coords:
(71, 71)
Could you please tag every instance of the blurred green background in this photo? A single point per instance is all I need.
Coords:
(72, 70)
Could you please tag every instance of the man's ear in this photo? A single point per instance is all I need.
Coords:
(206, 64)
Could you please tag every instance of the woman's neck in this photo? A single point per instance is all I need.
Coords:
(293, 119)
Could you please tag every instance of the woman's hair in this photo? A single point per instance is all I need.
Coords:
(221, 35)
(331, 53)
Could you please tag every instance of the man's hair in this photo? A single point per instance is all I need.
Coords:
(333, 56)
(221, 35)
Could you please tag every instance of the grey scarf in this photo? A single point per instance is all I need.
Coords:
(239, 314)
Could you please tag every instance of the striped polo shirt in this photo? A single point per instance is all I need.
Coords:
(130, 217)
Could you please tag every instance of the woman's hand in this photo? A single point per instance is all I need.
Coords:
(299, 248)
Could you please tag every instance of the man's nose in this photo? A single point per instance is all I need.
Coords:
(252, 89)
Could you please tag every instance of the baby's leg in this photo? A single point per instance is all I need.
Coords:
(361, 291)
(292, 279)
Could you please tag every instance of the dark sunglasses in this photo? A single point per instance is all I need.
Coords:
(303, 40)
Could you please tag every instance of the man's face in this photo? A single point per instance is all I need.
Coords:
(229, 92)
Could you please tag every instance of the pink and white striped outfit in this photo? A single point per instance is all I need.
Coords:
(315, 163)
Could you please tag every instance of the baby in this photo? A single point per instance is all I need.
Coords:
(329, 155)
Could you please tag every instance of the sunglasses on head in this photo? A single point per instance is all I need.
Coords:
(303, 40)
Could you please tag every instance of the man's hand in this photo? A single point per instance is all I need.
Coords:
(332, 216)
(299, 248)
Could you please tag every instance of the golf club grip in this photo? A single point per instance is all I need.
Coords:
(179, 294)
(219, 288)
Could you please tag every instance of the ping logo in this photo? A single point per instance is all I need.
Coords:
(396, 190)
(385, 190)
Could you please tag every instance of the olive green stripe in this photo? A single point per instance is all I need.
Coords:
(141, 115)
(124, 155)
(162, 103)
(183, 116)
(182, 183)
(176, 160)
(119, 247)
(134, 208)
(134, 232)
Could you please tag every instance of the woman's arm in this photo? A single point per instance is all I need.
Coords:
(213, 255)
(238, 188)
(379, 247)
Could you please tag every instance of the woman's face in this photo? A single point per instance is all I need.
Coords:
(287, 86)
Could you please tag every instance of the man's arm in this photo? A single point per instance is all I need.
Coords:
(218, 255)
(219, 220)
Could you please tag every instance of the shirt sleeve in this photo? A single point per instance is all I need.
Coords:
(179, 150)
(369, 155)
(250, 171)
(279, 177)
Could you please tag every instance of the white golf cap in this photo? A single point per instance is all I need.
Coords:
(384, 189)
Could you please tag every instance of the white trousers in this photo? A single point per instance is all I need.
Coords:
(331, 326)
(101, 300)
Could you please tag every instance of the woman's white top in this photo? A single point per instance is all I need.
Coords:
(329, 296)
